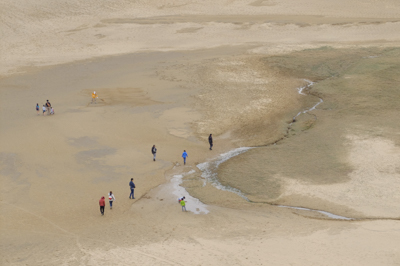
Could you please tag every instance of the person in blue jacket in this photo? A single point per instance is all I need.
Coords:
(132, 186)
(184, 155)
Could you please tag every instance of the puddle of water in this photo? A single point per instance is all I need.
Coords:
(192, 204)
(209, 170)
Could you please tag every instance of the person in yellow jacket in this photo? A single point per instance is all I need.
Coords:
(94, 97)
(183, 204)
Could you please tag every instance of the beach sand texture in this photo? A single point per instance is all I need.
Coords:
(170, 73)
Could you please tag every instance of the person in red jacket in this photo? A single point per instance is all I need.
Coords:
(102, 203)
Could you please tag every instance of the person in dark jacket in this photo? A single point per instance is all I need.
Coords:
(102, 204)
(132, 186)
(48, 107)
(154, 151)
(210, 140)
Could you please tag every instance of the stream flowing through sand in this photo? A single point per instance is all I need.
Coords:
(209, 173)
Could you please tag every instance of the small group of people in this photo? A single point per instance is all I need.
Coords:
(154, 152)
(102, 202)
(111, 197)
(184, 154)
(46, 108)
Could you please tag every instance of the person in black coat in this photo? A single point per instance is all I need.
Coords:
(132, 187)
(210, 140)
(154, 151)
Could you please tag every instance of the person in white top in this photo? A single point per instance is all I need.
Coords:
(180, 199)
(111, 198)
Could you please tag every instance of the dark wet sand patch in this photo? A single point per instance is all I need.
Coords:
(360, 95)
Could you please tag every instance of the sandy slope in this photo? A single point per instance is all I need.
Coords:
(54, 169)
(48, 32)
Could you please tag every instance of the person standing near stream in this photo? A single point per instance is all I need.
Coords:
(210, 140)
(184, 156)
(183, 204)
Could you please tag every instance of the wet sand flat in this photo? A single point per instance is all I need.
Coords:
(340, 147)
(170, 73)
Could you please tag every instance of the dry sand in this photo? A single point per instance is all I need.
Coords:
(169, 73)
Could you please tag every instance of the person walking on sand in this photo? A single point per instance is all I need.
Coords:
(132, 186)
(111, 198)
(210, 140)
(154, 151)
(102, 203)
(48, 105)
(44, 109)
(37, 108)
(183, 204)
(94, 96)
(184, 156)
(52, 111)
